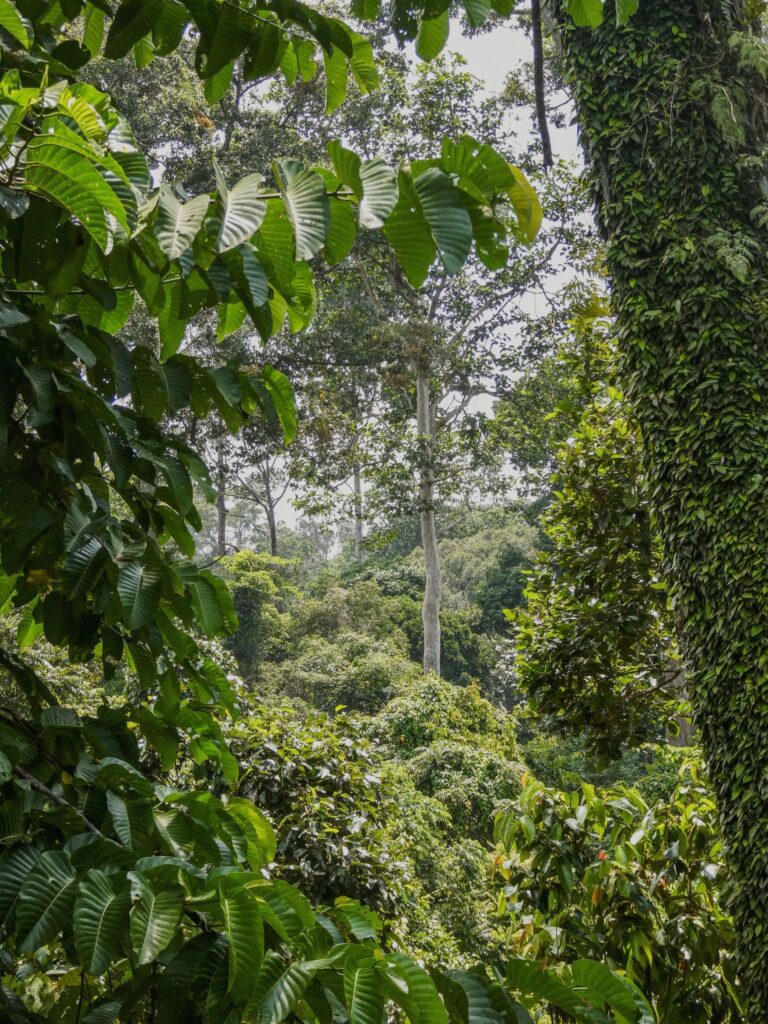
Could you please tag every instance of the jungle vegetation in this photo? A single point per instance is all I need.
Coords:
(383, 585)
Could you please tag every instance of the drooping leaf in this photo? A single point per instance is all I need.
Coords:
(306, 203)
(139, 588)
(100, 917)
(243, 210)
(379, 192)
(45, 901)
(244, 929)
(155, 916)
(133, 20)
(586, 13)
(178, 223)
(447, 217)
(433, 35)
(606, 986)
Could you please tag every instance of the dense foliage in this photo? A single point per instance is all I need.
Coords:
(686, 251)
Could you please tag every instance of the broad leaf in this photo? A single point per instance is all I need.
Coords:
(45, 901)
(139, 588)
(245, 933)
(177, 223)
(155, 916)
(306, 203)
(100, 917)
(243, 210)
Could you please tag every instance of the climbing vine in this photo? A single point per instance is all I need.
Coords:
(673, 108)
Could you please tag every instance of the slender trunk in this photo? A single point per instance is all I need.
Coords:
(430, 610)
(673, 123)
(358, 491)
(269, 507)
(539, 84)
(221, 503)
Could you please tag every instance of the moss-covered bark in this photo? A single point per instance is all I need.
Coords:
(672, 113)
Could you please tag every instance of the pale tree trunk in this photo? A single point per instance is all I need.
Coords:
(430, 611)
(221, 504)
(269, 506)
(358, 492)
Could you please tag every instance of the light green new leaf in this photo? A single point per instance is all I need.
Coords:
(306, 203)
(101, 913)
(139, 587)
(93, 28)
(380, 193)
(177, 223)
(281, 392)
(526, 205)
(625, 9)
(605, 986)
(433, 35)
(244, 929)
(243, 210)
(155, 916)
(13, 23)
(586, 13)
(336, 79)
(447, 217)
(45, 901)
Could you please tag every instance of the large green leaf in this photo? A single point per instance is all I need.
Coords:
(177, 223)
(433, 35)
(71, 180)
(379, 188)
(244, 929)
(138, 586)
(243, 210)
(283, 994)
(447, 217)
(45, 901)
(14, 869)
(363, 993)
(476, 998)
(155, 916)
(281, 392)
(586, 13)
(100, 917)
(526, 205)
(13, 23)
(412, 988)
(532, 980)
(408, 232)
(606, 986)
(133, 20)
(306, 203)
(625, 9)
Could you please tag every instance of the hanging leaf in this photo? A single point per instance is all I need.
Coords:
(243, 210)
(606, 986)
(100, 917)
(378, 182)
(432, 35)
(45, 901)
(408, 232)
(155, 916)
(586, 13)
(363, 993)
(245, 933)
(139, 588)
(447, 217)
(306, 203)
(177, 223)
(13, 23)
(133, 20)
(625, 9)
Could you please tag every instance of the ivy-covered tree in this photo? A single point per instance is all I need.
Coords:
(672, 112)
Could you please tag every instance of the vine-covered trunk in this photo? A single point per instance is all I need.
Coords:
(430, 609)
(673, 123)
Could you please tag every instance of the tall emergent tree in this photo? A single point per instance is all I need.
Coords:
(673, 110)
